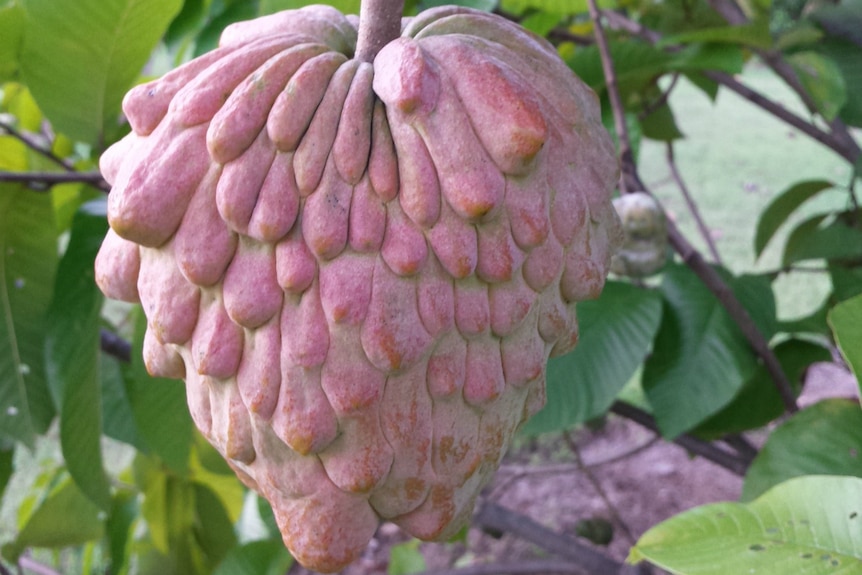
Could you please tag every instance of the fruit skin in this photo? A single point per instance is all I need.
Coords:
(360, 270)
(645, 249)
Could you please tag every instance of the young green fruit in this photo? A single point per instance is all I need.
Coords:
(361, 269)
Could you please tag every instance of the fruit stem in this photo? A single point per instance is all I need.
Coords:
(379, 24)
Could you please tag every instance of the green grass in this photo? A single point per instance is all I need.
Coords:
(734, 159)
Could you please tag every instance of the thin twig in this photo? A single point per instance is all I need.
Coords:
(36, 146)
(661, 100)
(545, 566)
(625, 145)
(692, 206)
(493, 517)
(597, 486)
(839, 140)
(730, 11)
(115, 346)
(44, 180)
(730, 461)
(710, 277)
(36, 567)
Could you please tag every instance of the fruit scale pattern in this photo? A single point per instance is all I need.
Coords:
(360, 269)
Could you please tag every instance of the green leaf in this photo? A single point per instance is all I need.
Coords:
(11, 28)
(72, 352)
(759, 402)
(848, 57)
(700, 360)
(208, 38)
(842, 20)
(845, 319)
(79, 58)
(846, 280)
(825, 236)
(213, 529)
(781, 207)
(823, 439)
(406, 559)
(660, 125)
(616, 333)
(822, 79)
(7, 456)
(807, 525)
(754, 35)
(28, 259)
(265, 557)
(160, 409)
(125, 510)
(118, 420)
(64, 518)
(272, 6)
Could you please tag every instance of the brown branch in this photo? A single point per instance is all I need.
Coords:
(711, 279)
(43, 181)
(544, 566)
(692, 206)
(379, 24)
(733, 462)
(625, 145)
(493, 517)
(115, 346)
(730, 11)
(36, 146)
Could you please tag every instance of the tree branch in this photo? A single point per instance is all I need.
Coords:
(493, 517)
(692, 206)
(36, 146)
(44, 180)
(711, 279)
(545, 566)
(115, 346)
(730, 461)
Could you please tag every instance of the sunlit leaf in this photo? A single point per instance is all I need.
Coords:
(700, 359)
(406, 559)
(72, 351)
(79, 58)
(781, 207)
(823, 439)
(64, 518)
(845, 319)
(11, 28)
(616, 332)
(807, 525)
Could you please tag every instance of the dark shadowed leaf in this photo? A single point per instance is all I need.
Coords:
(823, 237)
(159, 406)
(822, 79)
(265, 557)
(28, 260)
(700, 359)
(781, 207)
(759, 402)
(806, 525)
(823, 439)
(118, 420)
(616, 332)
(213, 528)
(72, 352)
(660, 125)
